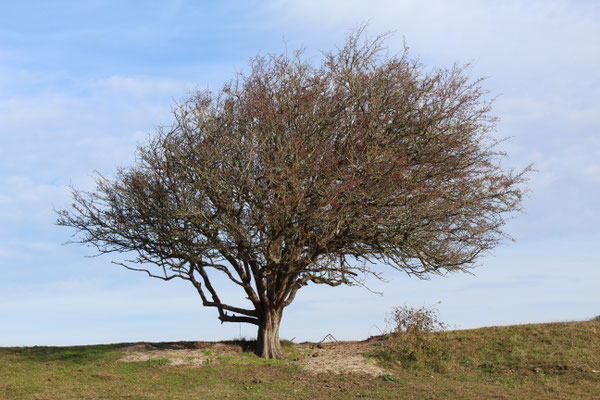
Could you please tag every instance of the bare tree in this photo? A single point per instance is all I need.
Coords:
(297, 173)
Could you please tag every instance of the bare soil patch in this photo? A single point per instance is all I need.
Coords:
(341, 358)
(195, 354)
(316, 358)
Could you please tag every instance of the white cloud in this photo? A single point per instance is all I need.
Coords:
(553, 107)
(544, 47)
(591, 172)
(6, 252)
(64, 136)
(26, 199)
(145, 85)
(41, 246)
(541, 180)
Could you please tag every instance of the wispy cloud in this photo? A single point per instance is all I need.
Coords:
(592, 172)
(145, 85)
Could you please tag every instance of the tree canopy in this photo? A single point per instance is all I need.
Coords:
(297, 173)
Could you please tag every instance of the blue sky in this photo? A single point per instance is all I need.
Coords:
(81, 83)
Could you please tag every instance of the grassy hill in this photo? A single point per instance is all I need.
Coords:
(541, 361)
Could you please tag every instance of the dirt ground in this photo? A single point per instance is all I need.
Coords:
(341, 358)
(314, 358)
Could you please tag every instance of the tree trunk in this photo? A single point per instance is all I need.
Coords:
(267, 340)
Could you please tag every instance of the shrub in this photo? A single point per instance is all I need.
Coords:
(412, 342)
(415, 320)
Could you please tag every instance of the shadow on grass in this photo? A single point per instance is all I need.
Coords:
(242, 344)
(245, 345)
(106, 352)
(250, 345)
(74, 354)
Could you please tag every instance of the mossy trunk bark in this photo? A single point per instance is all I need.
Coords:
(267, 340)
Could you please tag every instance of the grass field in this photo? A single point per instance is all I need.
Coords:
(541, 361)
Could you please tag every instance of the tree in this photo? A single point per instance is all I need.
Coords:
(298, 173)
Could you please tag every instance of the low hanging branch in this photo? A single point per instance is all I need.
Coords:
(296, 174)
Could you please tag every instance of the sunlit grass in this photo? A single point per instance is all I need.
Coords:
(542, 361)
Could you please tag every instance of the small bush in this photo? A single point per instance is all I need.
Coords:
(411, 342)
(414, 320)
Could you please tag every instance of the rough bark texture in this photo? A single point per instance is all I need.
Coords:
(267, 340)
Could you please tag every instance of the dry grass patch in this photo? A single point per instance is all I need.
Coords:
(193, 354)
(313, 358)
(342, 358)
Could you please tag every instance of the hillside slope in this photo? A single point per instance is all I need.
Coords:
(541, 361)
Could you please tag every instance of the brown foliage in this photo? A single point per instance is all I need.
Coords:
(296, 173)
(406, 319)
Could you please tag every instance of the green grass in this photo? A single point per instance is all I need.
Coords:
(542, 361)
(556, 360)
